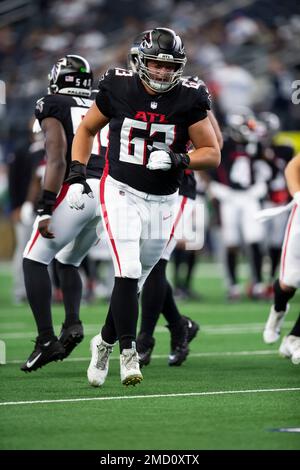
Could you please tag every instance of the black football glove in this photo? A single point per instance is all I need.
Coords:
(166, 159)
(44, 210)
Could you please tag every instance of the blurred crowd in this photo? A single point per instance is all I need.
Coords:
(246, 56)
(235, 46)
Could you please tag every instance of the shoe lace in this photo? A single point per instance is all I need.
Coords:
(131, 360)
(103, 355)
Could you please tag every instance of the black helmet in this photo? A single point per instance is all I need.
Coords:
(163, 45)
(71, 75)
(271, 123)
(242, 125)
(133, 56)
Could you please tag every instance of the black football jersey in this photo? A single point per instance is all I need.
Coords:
(277, 157)
(188, 185)
(140, 122)
(238, 168)
(70, 110)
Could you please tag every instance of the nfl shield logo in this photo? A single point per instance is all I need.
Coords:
(153, 105)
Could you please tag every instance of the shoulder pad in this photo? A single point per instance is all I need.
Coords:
(111, 74)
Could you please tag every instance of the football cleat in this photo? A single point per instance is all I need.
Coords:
(290, 347)
(144, 346)
(98, 368)
(130, 367)
(71, 336)
(179, 343)
(273, 326)
(192, 328)
(257, 291)
(234, 292)
(44, 353)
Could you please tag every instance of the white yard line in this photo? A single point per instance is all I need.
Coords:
(165, 395)
(232, 329)
(262, 352)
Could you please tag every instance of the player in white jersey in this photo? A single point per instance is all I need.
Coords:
(152, 116)
(289, 278)
(58, 231)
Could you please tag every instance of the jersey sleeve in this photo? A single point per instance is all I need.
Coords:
(48, 107)
(103, 98)
(200, 105)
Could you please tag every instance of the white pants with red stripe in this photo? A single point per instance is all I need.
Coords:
(275, 227)
(290, 255)
(181, 229)
(75, 231)
(238, 219)
(138, 227)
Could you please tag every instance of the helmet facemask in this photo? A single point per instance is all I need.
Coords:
(168, 81)
(161, 45)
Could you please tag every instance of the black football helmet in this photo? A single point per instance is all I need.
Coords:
(71, 75)
(133, 56)
(242, 125)
(271, 124)
(162, 45)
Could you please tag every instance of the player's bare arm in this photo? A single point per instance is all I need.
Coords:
(207, 150)
(292, 174)
(216, 127)
(56, 148)
(93, 121)
(206, 153)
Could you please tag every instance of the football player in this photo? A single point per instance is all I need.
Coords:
(152, 116)
(274, 160)
(238, 187)
(58, 231)
(182, 329)
(289, 278)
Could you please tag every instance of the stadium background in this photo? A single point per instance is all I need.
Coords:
(261, 38)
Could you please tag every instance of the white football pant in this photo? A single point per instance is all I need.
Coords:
(238, 221)
(75, 231)
(290, 254)
(138, 226)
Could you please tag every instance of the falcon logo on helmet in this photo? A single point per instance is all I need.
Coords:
(133, 56)
(161, 45)
(71, 75)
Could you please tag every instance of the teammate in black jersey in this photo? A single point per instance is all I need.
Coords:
(58, 231)
(152, 116)
(239, 186)
(275, 157)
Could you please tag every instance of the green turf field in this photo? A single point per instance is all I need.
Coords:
(230, 394)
